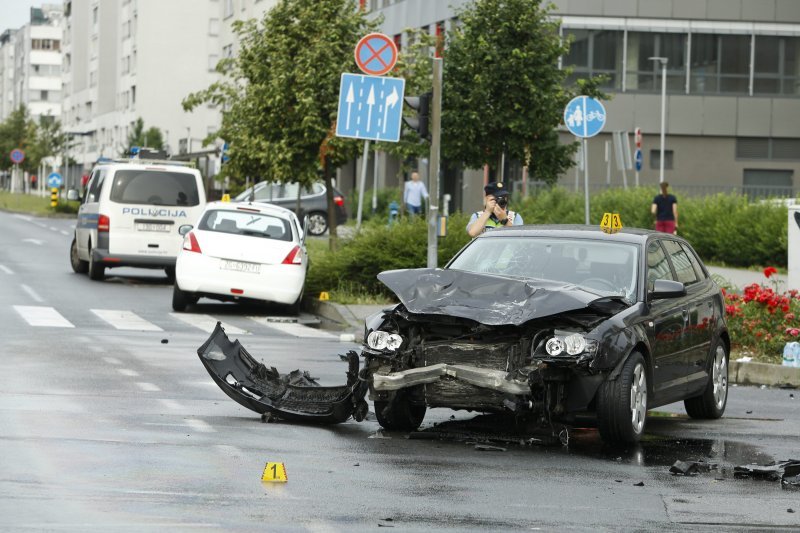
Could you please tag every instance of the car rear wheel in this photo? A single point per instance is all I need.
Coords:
(317, 223)
(622, 403)
(711, 404)
(399, 414)
(182, 299)
(96, 270)
(79, 266)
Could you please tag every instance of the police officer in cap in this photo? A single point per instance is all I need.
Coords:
(495, 213)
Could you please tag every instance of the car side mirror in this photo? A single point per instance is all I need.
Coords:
(666, 288)
(186, 228)
(72, 195)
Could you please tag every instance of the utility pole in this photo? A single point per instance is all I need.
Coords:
(433, 169)
(663, 61)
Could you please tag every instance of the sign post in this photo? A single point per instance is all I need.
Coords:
(585, 117)
(17, 157)
(638, 156)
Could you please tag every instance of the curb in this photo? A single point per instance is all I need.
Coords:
(336, 317)
(749, 373)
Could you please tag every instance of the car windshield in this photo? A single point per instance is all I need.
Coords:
(603, 267)
(154, 187)
(246, 223)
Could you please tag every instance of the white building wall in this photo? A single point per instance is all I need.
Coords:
(7, 44)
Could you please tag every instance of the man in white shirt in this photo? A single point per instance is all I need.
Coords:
(413, 194)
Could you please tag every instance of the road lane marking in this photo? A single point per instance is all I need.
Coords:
(127, 372)
(112, 360)
(26, 218)
(125, 320)
(31, 293)
(42, 316)
(147, 387)
(170, 404)
(207, 323)
(294, 329)
(53, 228)
(6, 269)
(37, 242)
(200, 425)
(64, 232)
(228, 450)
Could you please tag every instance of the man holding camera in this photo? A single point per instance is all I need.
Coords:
(495, 213)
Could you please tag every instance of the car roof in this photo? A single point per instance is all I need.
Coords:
(575, 231)
(261, 207)
(147, 165)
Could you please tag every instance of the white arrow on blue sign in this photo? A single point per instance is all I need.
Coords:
(370, 107)
(584, 116)
(639, 160)
(54, 180)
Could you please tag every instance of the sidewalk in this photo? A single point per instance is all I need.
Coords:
(741, 278)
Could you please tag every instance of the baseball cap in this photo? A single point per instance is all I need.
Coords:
(496, 188)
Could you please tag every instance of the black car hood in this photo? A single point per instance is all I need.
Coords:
(487, 298)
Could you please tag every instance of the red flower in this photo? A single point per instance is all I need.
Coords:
(759, 333)
(785, 309)
(770, 271)
(794, 332)
(789, 316)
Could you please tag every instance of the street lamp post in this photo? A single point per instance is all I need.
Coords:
(663, 61)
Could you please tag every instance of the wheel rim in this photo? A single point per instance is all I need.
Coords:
(720, 377)
(316, 224)
(638, 398)
(74, 253)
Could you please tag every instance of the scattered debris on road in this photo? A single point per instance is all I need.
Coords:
(691, 468)
(788, 472)
(490, 448)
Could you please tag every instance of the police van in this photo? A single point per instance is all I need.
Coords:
(131, 212)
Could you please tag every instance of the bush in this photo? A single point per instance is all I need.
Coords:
(762, 319)
(385, 197)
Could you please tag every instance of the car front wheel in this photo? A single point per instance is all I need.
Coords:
(317, 223)
(622, 403)
(399, 414)
(79, 266)
(711, 404)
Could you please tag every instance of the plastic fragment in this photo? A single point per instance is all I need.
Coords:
(691, 468)
(489, 448)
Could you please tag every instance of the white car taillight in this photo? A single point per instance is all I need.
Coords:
(190, 243)
(295, 257)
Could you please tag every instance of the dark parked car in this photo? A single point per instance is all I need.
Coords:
(313, 202)
(559, 324)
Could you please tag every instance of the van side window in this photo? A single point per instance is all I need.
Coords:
(95, 185)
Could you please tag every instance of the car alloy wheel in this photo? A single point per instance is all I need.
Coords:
(719, 377)
(317, 223)
(622, 403)
(710, 404)
(638, 398)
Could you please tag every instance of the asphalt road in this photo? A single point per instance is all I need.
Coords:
(104, 428)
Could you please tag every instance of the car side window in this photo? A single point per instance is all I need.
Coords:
(680, 261)
(95, 186)
(698, 269)
(263, 193)
(287, 191)
(657, 264)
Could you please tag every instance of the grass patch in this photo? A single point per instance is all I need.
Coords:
(35, 205)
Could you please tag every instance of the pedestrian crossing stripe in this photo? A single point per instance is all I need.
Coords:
(37, 315)
(207, 323)
(125, 320)
(294, 329)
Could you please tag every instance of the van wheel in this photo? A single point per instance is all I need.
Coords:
(170, 272)
(78, 265)
(317, 223)
(622, 403)
(96, 270)
(182, 299)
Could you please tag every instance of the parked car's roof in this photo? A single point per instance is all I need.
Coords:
(574, 231)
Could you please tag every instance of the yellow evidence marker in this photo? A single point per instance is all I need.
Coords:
(324, 296)
(274, 473)
(611, 223)
(226, 198)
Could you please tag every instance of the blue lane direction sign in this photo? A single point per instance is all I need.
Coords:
(17, 156)
(370, 107)
(639, 160)
(54, 180)
(584, 116)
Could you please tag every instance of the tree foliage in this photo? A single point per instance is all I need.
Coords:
(19, 130)
(503, 91)
(138, 136)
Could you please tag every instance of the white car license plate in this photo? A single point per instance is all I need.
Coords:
(240, 266)
(163, 228)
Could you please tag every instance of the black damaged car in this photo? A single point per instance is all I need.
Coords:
(555, 324)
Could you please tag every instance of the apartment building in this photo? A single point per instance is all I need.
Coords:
(732, 96)
(7, 45)
(131, 59)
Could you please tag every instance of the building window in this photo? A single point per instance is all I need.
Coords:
(93, 79)
(760, 183)
(133, 95)
(655, 159)
(213, 27)
(720, 64)
(777, 65)
(43, 96)
(643, 74)
(767, 148)
(213, 59)
(594, 53)
(227, 51)
(228, 11)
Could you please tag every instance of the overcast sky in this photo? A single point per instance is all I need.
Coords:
(16, 13)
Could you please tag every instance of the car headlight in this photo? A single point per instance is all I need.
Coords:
(570, 344)
(381, 340)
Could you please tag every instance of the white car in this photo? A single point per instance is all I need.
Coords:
(242, 251)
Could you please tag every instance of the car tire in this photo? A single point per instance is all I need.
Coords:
(317, 223)
(294, 308)
(96, 270)
(711, 404)
(79, 266)
(622, 403)
(170, 272)
(181, 299)
(399, 414)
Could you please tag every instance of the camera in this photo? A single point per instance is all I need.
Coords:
(502, 201)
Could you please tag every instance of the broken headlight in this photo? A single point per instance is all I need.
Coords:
(570, 344)
(380, 340)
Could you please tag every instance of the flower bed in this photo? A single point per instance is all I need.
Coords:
(762, 319)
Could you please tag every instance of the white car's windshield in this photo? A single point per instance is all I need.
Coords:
(246, 223)
(608, 268)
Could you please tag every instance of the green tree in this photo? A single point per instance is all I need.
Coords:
(280, 94)
(18, 131)
(138, 136)
(50, 140)
(503, 91)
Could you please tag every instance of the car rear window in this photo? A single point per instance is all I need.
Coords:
(246, 223)
(154, 187)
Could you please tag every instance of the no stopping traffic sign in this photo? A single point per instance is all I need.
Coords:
(17, 156)
(376, 54)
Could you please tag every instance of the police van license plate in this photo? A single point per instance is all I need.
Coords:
(240, 266)
(149, 226)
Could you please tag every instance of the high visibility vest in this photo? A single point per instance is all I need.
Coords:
(493, 222)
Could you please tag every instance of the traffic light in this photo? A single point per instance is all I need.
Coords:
(422, 105)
